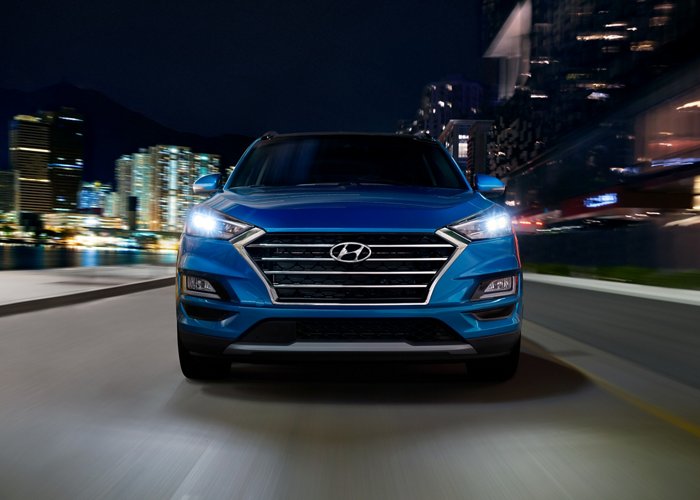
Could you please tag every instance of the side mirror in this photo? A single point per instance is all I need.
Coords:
(207, 184)
(489, 186)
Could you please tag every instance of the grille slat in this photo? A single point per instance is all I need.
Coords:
(401, 268)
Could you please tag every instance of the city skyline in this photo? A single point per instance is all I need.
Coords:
(44, 186)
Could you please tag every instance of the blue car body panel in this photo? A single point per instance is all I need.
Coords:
(350, 208)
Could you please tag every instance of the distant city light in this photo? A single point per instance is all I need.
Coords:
(674, 162)
(643, 46)
(664, 6)
(600, 36)
(32, 179)
(600, 200)
(689, 105)
(31, 150)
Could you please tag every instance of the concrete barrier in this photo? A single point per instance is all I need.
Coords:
(31, 305)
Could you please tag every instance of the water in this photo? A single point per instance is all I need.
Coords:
(44, 257)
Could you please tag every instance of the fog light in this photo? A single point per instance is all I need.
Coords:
(199, 285)
(497, 287)
(500, 285)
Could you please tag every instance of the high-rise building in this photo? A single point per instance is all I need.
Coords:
(123, 174)
(66, 158)
(596, 97)
(159, 181)
(111, 204)
(93, 197)
(173, 185)
(451, 98)
(563, 65)
(142, 187)
(29, 158)
(7, 191)
(205, 164)
(468, 142)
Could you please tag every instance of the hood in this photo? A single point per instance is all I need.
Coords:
(348, 208)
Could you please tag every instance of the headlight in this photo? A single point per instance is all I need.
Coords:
(493, 222)
(210, 224)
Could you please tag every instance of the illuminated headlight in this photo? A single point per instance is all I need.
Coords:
(493, 222)
(496, 287)
(210, 224)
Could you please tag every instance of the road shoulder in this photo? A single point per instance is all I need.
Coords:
(677, 295)
(26, 291)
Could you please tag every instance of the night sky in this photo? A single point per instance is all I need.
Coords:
(244, 66)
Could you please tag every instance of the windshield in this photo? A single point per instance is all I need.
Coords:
(342, 160)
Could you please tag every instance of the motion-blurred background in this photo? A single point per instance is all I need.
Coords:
(589, 110)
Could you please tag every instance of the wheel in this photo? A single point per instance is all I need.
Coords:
(201, 368)
(497, 369)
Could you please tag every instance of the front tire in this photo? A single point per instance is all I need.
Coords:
(497, 369)
(201, 368)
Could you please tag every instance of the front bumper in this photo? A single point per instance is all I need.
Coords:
(246, 303)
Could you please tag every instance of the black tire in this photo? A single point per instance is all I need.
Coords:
(497, 369)
(202, 368)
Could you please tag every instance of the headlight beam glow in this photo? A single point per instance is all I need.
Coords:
(209, 224)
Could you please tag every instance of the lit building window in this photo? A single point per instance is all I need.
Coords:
(600, 36)
(655, 22)
(463, 149)
(643, 46)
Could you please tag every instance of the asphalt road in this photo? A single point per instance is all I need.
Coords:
(92, 405)
(662, 336)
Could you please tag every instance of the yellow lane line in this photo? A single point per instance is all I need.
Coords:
(646, 407)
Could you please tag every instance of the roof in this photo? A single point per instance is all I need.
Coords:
(300, 135)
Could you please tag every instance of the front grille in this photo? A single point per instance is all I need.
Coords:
(400, 269)
(410, 330)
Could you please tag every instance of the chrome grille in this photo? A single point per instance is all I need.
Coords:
(299, 267)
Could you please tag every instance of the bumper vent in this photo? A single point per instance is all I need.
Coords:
(400, 270)
(414, 331)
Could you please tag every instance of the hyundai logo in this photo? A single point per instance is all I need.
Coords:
(350, 251)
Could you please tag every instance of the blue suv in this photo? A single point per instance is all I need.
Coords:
(336, 245)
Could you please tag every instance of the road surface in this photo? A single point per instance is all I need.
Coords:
(93, 405)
